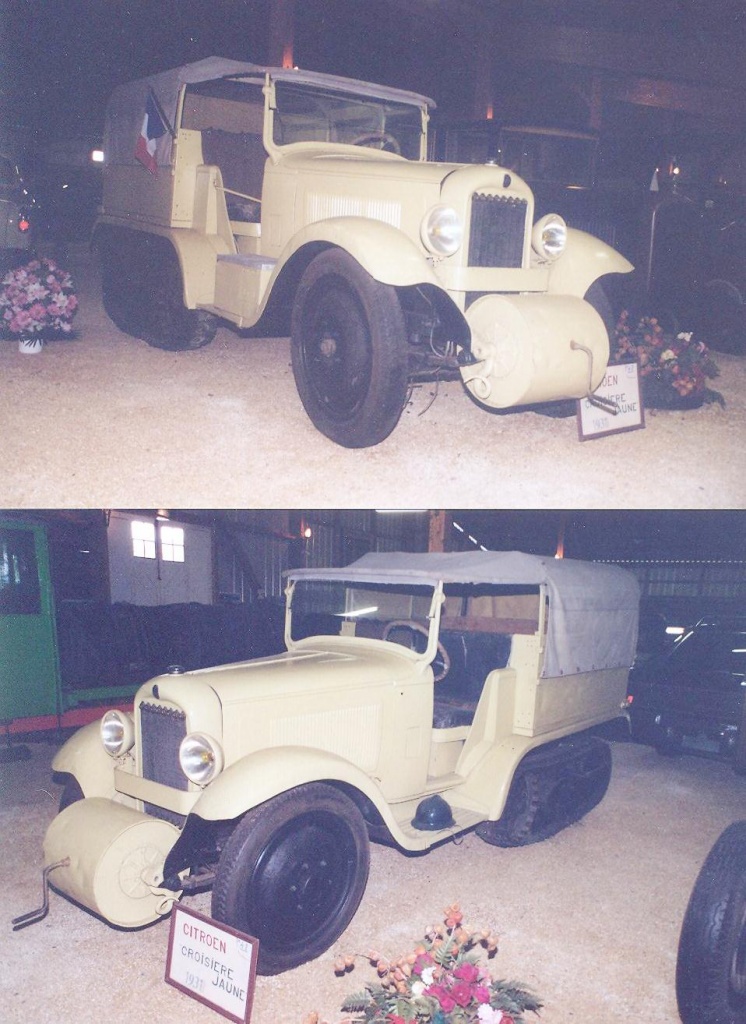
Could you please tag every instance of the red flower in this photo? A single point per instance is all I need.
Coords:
(395, 1019)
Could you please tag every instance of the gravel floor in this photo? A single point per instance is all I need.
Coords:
(590, 919)
(106, 421)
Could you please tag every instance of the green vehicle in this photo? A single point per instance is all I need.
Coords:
(29, 667)
(420, 696)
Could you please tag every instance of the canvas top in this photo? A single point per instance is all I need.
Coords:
(126, 106)
(593, 608)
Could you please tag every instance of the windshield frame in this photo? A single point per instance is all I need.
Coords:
(353, 584)
(380, 99)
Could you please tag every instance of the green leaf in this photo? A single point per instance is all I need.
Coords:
(356, 1002)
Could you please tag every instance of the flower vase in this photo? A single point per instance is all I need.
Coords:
(30, 346)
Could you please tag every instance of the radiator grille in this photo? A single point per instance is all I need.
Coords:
(497, 228)
(162, 729)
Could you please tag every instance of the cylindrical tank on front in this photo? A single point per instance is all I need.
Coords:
(534, 348)
(116, 859)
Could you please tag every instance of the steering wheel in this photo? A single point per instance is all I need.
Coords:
(388, 141)
(441, 661)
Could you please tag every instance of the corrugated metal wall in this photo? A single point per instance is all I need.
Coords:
(725, 580)
(253, 549)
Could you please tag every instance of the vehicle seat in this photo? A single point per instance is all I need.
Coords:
(473, 656)
(241, 158)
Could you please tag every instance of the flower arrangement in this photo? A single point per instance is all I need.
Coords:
(440, 981)
(673, 370)
(37, 299)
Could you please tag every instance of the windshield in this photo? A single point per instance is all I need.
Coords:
(710, 657)
(562, 159)
(313, 114)
(343, 608)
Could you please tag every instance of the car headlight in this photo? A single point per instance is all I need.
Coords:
(549, 236)
(441, 230)
(200, 757)
(117, 732)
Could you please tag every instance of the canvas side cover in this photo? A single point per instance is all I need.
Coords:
(124, 114)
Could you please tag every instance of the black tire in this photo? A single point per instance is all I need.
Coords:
(551, 790)
(597, 297)
(71, 792)
(293, 873)
(711, 963)
(720, 318)
(349, 351)
(669, 740)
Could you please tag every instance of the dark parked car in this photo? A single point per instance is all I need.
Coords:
(15, 220)
(692, 697)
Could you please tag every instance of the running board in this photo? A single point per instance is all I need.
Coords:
(253, 261)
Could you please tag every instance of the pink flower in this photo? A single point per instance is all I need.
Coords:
(466, 972)
(482, 994)
(423, 960)
(444, 997)
(462, 993)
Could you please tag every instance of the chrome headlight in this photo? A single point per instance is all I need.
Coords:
(441, 230)
(117, 732)
(200, 757)
(549, 236)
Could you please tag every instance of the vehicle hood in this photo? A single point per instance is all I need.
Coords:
(311, 666)
(357, 162)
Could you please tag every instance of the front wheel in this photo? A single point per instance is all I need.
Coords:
(711, 962)
(293, 873)
(349, 351)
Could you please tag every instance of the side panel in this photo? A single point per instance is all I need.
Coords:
(132, 192)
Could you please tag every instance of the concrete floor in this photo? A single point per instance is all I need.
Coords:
(106, 421)
(590, 918)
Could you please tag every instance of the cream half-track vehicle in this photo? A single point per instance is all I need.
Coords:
(302, 204)
(421, 695)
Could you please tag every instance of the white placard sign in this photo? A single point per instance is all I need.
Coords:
(619, 405)
(212, 963)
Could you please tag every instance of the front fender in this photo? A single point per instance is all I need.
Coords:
(385, 252)
(267, 773)
(83, 756)
(585, 259)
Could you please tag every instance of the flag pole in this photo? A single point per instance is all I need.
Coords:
(162, 114)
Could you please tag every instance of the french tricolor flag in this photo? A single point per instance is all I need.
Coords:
(152, 129)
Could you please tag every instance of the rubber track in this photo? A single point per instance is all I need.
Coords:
(541, 772)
